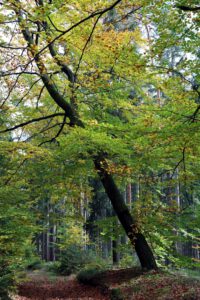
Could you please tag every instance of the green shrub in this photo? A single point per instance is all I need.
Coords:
(52, 266)
(74, 258)
(34, 263)
(127, 260)
(71, 260)
(90, 276)
(7, 281)
(97, 262)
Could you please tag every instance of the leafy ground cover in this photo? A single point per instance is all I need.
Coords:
(121, 284)
(160, 287)
(42, 285)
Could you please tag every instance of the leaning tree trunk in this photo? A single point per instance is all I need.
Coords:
(137, 239)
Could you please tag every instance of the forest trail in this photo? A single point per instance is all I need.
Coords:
(126, 284)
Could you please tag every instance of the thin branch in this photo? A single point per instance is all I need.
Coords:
(50, 86)
(54, 26)
(88, 40)
(58, 133)
(8, 22)
(34, 83)
(14, 173)
(127, 15)
(10, 90)
(61, 128)
(31, 121)
(193, 117)
(187, 8)
(5, 74)
(12, 47)
(43, 130)
(182, 160)
(40, 95)
(94, 14)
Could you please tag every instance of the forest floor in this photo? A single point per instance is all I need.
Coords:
(127, 284)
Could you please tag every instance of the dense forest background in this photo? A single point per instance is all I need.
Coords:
(99, 135)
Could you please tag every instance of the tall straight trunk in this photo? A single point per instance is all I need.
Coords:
(135, 191)
(43, 246)
(115, 243)
(115, 253)
(52, 243)
(129, 194)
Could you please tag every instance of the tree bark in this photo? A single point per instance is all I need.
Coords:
(137, 239)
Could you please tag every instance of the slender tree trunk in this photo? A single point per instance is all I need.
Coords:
(115, 243)
(52, 243)
(129, 194)
(115, 253)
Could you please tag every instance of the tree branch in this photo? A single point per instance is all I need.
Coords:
(31, 121)
(27, 93)
(94, 14)
(12, 47)
(182, 160)
(187, 8)
(88, 40)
